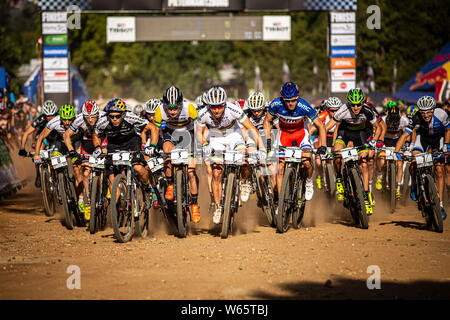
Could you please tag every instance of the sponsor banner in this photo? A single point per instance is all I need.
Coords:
(342, 86)
(343, 28)
(343, 40)
(343, 74)
(60, 51)
(54, 28)
(54, 16)
(198, 3)
(121, 29)
(343, 52)
(342, 17)
(343, 63)
(56, 63)
(55, 40)
(56, 86)
(277, 28)
(56, 75)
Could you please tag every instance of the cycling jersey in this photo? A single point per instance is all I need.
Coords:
(435, 127)
(56, 125)
(86, 131)
(185, 118)
(232, 114)
(291, 121)
(394, 129)
(348, 120)
(127, 129)
(39, 123)
(257, 122)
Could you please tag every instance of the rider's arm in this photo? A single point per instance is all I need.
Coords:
(322, 133)
(97, 142)
(378, 130)
(267, 124)
(383, 130)
(401, 141)
(67, 139)
(330, 125)
(25, 135)
(44, 134)
(335, 133)
(251, 128)
(154, 134)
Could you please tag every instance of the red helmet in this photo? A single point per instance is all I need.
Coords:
(90, 108)
(240, 102)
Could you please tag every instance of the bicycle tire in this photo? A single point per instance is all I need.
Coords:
(47, 195)
(359, 192)
(331, 180)
(266, 207)
(284, 212)
(141, 224)
(393, 185)
(227, 213)
(406, 177)
(95, 220)
(116, 216)
(434, 210)
(181, 215)
(297, 215)
(67, 212)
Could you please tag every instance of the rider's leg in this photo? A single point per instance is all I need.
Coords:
(308, 165)
(440, 178)
(363, 164)
(399, 165)
(216, 182)
(319, 171)
(142, 172)
(167, 148)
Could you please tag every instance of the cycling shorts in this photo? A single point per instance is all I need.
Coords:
(232, 141)
(134, 144)
(180, 138)
(298, 138)
(358, 137)
(422, 143)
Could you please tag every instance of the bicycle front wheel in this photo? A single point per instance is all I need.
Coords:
(434, 210)
(285, 203)
(227, 222)
(122, 219)
(262, 192)
(68, 218)
(47, 195)
(392, 185)
(95, 220)
(181, 214)
(359, 193)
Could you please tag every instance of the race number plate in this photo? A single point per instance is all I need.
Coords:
(44, 154)
(97, 163)
(59, 162)
(349, 154)
(155, 164)
(292, 154)
(234, 157)
(121, 159)
(389, 153)
(424, 159)
(253, 157)
(179, 156)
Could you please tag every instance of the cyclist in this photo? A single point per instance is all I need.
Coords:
(332, 105)
(120, 127)
(396, 124)
(292, 112)
(220, 119)
(83, 125)
(352, 131)
(49, 111)
(180, 117)
(433, 132)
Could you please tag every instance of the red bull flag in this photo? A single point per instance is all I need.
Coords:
(429, 80)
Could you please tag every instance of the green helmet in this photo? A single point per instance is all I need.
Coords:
(67, 112)
(389, 105)
(356, 96)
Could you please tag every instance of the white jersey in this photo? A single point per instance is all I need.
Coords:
(232, 115)
(394, 130)
(56, 125)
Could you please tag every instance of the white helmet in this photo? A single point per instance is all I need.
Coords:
(333, 102)
(137, 109)
(205, 97)
(216, 96)
(199, 101)
(256, 101)
(90, 108)
(49, 108)
(151, 105)
(426, 103)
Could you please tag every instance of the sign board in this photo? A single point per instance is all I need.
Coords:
(342, 17)
(56, 63)
(343, 40)
(56, 75)
(343, 63)
(277, 28)
(343, 74)
(54, 28)
(343, 52)
(54, 16)
(55, 40)
(121, 29)
(198, 3)
(60, 51)
(56, 87)
(343, 28)
(342, 86)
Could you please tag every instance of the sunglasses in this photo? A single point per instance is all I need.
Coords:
(426, 112)
(91, 117)
(220, 106)
(117, 116)
(356, 105)
(173, 107)
(332, 110)
(290, 100)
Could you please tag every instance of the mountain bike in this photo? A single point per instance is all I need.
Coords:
(329, 177)
(98, 194)
(291, 201)
(62, 165)
(428, 200)
(353, 186)
(390, 176)
(264, 191)
(48, 182)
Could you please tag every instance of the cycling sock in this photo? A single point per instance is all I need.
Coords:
(194, 198)
(170, 180)
(370, 186)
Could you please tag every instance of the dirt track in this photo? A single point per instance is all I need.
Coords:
(327, 259)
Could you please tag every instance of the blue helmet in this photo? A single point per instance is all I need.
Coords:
(289, 90)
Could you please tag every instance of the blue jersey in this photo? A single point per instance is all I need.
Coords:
(292, 120)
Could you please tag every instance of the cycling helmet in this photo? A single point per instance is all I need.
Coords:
(393, 113)
(389, 105)
(50, 108)
(205, 97)
(216, 96)
(90, 108)
(256, 101)
(333, 103)
(289, 90)
(411, 111)
(426, 103)
(199, 101)
(323, 105)
(137, 109)
(67, 112)
(151, 105)
(241, 103)
(173, 97)
(356, 96)
(116, 105)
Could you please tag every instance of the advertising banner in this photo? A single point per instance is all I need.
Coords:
(343, 40)
(120, 29)
(343, 63)
(276, 28)
(342, 86)
(56, 75)
(343, 28)
(60, 51)
(56, 86)
(342, 17)
(54, 28)
(55, 40)
(343, 74)
(56, 63)
(343, 52)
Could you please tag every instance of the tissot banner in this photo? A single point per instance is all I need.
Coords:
(120, 29)
(276, 28)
